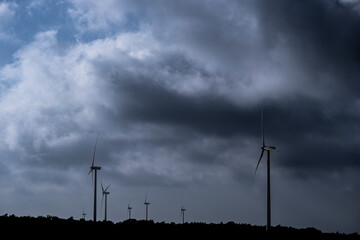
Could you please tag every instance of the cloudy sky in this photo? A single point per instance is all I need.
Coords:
(174, 91)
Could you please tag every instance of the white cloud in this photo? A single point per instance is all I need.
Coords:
(35, 4)
(54, 97)
(7, 11)
(36, 97)
(12, 137)
(50, 94)
(93, 15)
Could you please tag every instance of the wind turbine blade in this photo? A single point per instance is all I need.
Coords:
(102, 187)
(93, 161)
(91, 171)
(145, 197)
(262, 125)
(261, 155)
(92, 176)
(107, 187)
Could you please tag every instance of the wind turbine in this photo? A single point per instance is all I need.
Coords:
(182, 213)
(104, 193)
(83, 214)
(146, 205)
(268, 149)
(93, 169)
(129, 211)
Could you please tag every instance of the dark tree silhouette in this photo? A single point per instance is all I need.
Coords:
(53, 227)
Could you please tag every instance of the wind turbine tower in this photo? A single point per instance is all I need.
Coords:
(129, 211)
(94, 169)
(105, 193)
(268, 149)
(83, 214)
(146, 205)
(183, 214)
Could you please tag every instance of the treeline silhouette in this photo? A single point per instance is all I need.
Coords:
(54, 227)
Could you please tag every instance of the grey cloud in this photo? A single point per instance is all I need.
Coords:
(177, 104)
(147, 102)
(144, 97)
(322, 36)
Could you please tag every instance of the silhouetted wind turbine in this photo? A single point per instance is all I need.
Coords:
(83, 214)
(182, 213)
(104, 193)
(146, 205)
(93, 169)
(129, 211)
(267, 149)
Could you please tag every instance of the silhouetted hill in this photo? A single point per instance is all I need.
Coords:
(53, 227)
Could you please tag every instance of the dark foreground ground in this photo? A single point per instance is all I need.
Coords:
(56, 228)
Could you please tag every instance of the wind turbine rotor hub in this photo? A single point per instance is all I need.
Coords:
(95, 168)
(268, 148)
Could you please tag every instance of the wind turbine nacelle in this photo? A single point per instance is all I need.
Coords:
(95, 168)
(269, 148)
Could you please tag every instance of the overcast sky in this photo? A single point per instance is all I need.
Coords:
(174, 90)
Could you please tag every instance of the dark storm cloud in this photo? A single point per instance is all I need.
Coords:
(313, 135)
(310, 133)
(324, 37)
(317, 133)
(207, 114)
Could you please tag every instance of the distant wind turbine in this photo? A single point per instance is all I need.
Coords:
(146, 205)
(183, 213)
(104, 193)
(93, 169)
(83, 214)
(129, 211)
(267, 149)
